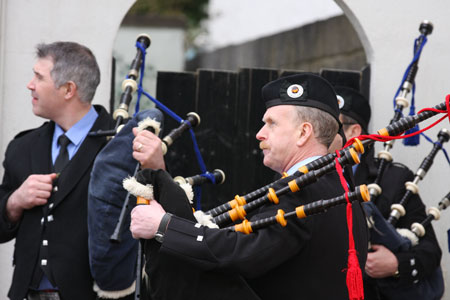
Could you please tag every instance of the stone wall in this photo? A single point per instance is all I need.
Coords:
(332, 43)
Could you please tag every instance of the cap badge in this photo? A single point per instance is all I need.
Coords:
(295, 91)
(340, 101)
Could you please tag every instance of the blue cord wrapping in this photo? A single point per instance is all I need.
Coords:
(415, 58)
(437, 143)
(201, 163)
(413, 141)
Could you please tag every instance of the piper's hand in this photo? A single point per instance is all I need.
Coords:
(145, 220)
(34, 191)
(381, 262)
(147, 150)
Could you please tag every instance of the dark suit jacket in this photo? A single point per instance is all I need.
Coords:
(306, 259)
(30, 153)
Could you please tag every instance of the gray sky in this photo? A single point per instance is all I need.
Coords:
(237, 21)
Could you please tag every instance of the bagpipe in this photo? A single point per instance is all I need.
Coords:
(129, 86)
(360, 194)
(400, 102)
(398, 210)
(350, 155)
(433, 213)
(113, 251)
(383, 230)
(192, 121)
(240, 211)
(311, 172)
(307, 176)
(238, 207)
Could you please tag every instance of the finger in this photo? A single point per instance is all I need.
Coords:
(375, 247)
(42, 194)
(53, 176)
(42, 187)
(133, 234)
(137, 156)
(40, 201)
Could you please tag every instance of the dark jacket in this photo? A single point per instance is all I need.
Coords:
(305, 259)
(66, 231)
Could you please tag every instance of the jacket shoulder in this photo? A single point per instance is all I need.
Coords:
(29, 131)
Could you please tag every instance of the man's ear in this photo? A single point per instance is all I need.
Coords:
(305, 133)
(71, 89)
(353, 130)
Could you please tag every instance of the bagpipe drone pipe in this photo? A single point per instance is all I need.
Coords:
(406, 87)
(398, 210)
(113, 267)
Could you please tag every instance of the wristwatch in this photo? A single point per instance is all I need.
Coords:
(159, 236)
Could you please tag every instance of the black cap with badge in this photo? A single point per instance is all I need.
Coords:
(304, 89)
(354, 105)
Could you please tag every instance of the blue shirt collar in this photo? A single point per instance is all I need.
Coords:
(295, 167)
(76, 134)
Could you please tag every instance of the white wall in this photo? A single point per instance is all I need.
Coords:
(24, 24)
(387, 30)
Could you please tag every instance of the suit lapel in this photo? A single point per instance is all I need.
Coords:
(41, 164)
(81, 163)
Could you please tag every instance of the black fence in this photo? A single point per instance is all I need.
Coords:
(231, 111)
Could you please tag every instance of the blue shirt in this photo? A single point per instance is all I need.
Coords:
(76, 134)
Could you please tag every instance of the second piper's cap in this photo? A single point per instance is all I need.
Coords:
(354, 105)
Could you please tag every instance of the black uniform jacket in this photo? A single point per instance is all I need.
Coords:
(66, 230)
(420, 261)
(306, 259)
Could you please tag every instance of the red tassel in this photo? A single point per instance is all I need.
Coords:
(354, 275)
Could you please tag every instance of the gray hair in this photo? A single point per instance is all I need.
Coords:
(324, 125)
(72, 62)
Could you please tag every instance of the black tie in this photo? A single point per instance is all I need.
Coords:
(63, 156)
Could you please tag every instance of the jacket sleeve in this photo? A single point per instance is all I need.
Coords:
(421, 260)
(225, 249)
(7, 229)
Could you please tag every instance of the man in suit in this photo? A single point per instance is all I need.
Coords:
(43, 195)
(308, 255)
